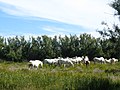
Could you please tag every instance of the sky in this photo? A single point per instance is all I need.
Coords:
(53, 17)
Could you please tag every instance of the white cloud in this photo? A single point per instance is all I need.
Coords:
(86, 13)
(58, 30)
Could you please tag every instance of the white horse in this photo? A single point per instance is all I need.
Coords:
(36, 63)
(86, 61)
(101, 60)
(79, 59)
(108, 60)
(113, 60)
(51, 61)
(76, 60)
(65, 62)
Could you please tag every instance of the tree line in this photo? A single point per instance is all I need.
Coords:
(19, 49)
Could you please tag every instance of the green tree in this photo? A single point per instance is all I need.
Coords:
(90, 46)
(14, 49)
(2, 47)
(56, 47)
(65, 46)
(74, 45)
(47, 47)
(111, 36)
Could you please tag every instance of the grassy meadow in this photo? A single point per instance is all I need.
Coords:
(17, 76)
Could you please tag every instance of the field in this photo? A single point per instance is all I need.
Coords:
(17, 76)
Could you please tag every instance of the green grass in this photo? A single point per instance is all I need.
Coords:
(17, 76)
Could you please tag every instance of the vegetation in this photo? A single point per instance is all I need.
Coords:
(18, 49)
(17, 76)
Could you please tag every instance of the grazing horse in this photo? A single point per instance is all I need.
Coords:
(65, 62)
(30, 65)
(35, 63)
(51, 61)
(86, 61)
(101, 60)
(113, 60)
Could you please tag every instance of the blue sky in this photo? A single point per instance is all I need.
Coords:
(53, 17)
(12, 25)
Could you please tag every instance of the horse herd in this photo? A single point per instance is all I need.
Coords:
(70, 61)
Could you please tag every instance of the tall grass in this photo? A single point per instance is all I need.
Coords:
(17, 76)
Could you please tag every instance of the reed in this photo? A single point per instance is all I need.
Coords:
(17, 76)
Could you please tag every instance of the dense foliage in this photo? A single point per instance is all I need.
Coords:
(17, 76)
(19, 49)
